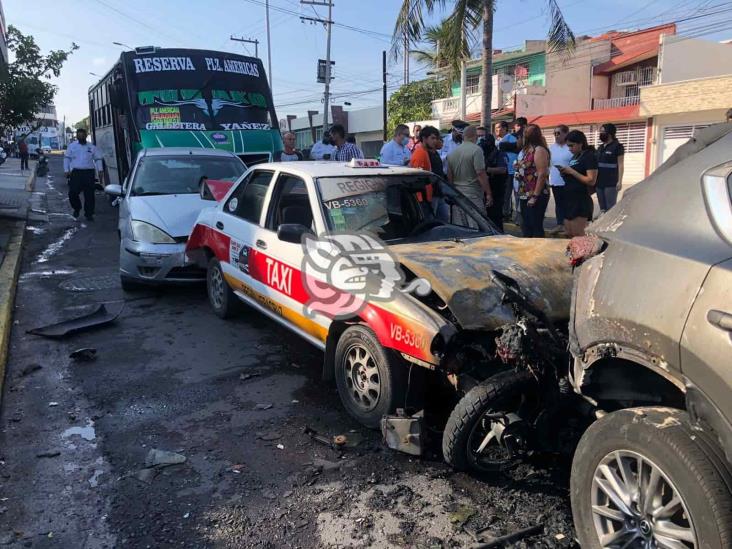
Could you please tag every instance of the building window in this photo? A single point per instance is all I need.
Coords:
(472, 84)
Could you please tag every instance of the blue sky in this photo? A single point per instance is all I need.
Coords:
(95, 24)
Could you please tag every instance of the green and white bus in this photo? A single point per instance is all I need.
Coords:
(154, 97)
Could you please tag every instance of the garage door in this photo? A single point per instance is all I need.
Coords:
(674, 137)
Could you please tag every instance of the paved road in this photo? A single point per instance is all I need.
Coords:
(172, 376)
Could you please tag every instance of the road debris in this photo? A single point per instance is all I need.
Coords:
(263, 406)
(163, 458)
(28, 370)
(244, 377)
(237, 468)
(269, 437)
(334, 443)
(49, 454)
(513, 537)
(462, 515)
(403, 433)
(100, 316)
(85, 354)
(281, 446)
(52, 404)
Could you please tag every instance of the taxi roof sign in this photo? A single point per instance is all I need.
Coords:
(364, 163)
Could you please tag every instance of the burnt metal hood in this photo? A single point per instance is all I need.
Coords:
(460, 274)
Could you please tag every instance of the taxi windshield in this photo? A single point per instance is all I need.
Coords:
(395, 207)
(182, 174)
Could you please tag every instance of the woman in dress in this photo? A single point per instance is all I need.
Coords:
(532, 174)
(579, 178)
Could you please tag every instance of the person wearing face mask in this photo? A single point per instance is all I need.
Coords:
(610, 166)
(453, 140)
(323, 150)
(395, 151)
(82, 161)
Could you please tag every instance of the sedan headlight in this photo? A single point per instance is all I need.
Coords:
(144, 232)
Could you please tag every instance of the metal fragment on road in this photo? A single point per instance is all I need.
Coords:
(97, 318)
(49, 454)
(85, 354)
(163, 458)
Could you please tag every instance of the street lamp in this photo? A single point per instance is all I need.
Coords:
(95, 74)
(123, 45)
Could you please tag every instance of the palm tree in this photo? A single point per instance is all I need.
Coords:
(444, 53)
(466, 17)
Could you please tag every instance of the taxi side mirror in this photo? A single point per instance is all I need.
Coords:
(292, 232)
(113, 190)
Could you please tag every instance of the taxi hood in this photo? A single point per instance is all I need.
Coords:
(460, 274)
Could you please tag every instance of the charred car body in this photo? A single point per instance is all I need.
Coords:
(380, 352)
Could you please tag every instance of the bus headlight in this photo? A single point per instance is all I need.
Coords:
(145, 232)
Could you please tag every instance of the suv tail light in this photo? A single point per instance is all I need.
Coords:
(582, 248)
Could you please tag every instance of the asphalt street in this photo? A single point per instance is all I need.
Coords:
(232, 397)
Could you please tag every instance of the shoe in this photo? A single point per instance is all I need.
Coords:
(89, 217)
(76, 214)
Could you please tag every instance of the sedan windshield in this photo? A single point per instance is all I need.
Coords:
(182, 174)
(395, 207)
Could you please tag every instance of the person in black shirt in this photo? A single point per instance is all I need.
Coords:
(496, 166)
(579, 181)
(610, 165)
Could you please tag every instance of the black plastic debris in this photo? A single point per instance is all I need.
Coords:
(86, 354)
(101, 316)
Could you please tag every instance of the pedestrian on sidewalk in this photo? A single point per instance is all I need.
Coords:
(610, 167)
(290, 154)
(532, 175)
(323, 149)
(496, 166)
(506, 143)
(23, 153)
(82, 161)
(466, 172)
(395, 152)
(579, 181)
(561, 156)
(346, 151)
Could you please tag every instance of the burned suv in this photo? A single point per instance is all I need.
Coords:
(651, 339)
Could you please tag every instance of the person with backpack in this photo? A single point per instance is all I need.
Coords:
(579, 184)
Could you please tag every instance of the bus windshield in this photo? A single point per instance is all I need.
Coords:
(176, 89)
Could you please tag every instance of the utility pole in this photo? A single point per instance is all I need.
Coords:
(328, 25)
(248, 41)
(383, 92)
(269, 49)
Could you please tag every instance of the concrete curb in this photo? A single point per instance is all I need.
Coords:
(9, 271)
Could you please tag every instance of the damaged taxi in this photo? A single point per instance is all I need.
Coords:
(390, 271)
(651, 339)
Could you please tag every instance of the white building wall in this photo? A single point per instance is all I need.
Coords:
(683, 58)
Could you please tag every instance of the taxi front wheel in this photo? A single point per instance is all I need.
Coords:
(371, 380)
(221, 297)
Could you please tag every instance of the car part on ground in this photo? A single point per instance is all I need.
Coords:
(404, 433)
(646, 477)
(97, 318)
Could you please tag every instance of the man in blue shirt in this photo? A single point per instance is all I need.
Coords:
(502, 136)
(395, 151)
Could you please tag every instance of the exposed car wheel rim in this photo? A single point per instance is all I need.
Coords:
(487, 448)
(363, 380)
(216, 288)
(634, 504)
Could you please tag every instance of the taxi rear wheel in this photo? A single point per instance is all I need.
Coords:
(220, 295)
(371, 380)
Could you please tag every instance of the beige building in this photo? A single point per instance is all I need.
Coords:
(694, 91)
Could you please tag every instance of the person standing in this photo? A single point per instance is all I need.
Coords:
(466, 171)
(323, 149)
(497, 170)
(82, 161)
(503, 138)
(23, 153)
(290, 154)
(532, 174)
(346, 151)
(395, 151)
(435, 158)
(422, 153)
(579, 179)
(610, 167)
(560, 157)
(452, 141)
(414, 141)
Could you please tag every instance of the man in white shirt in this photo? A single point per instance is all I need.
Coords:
(453, 140)
(395, 151)
(324, 149)
(560, 156)
(82, 161)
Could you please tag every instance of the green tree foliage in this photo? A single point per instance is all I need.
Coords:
(26, 87)
(82, 124)
(413, 102)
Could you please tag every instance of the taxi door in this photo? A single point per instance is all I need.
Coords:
(277, 264)
(240, 220)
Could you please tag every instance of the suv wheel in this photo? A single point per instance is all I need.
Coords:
(371, 380)
(643, 478)
(221, 297)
